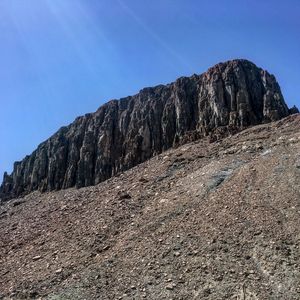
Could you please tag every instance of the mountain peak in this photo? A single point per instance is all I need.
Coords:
(227, 98)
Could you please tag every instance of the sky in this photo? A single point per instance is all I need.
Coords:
(63, 58)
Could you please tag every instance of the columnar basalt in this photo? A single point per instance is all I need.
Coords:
(123, 133)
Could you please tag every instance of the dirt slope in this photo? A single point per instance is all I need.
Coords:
(204, 221)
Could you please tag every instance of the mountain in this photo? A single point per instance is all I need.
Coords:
(206, 220)
(121, 134)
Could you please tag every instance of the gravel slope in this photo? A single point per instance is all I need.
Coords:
(204, 221)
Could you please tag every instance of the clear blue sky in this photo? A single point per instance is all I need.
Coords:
(63, 58)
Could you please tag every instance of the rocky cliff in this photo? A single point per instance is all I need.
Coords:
(123, 133)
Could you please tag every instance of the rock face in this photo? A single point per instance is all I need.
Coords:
(123, 133)
(294, 110)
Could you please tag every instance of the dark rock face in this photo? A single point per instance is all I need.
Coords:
(294, 110)
(121, 134)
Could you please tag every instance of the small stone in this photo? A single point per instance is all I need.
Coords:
(58, 271)
(36, 257)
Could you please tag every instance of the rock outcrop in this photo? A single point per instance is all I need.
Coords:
(123, 133)
(294, 110)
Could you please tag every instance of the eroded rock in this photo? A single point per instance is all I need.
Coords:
(121, 134)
